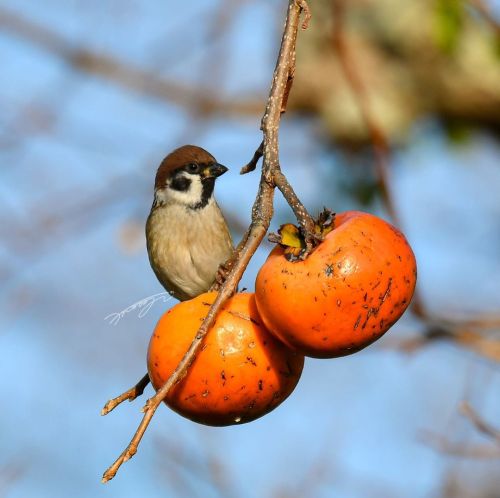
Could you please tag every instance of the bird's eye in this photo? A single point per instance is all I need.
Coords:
(192, 167)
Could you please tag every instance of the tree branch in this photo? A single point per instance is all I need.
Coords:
(131, 394)
(122, 73)
(262, 212)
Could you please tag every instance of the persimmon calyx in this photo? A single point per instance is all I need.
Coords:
(293, 239)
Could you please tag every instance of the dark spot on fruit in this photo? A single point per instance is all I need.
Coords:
(226, 398)
(325, 338)
(329, 270)
(251, 360)
(315, 299)
(387, 292)
(189, 397)
(268, 368)
(260, 384)
(357, 322)
(339, 302)
(365, 297)
(205, 303)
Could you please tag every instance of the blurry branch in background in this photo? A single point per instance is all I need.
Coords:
(481, 425)
(483, 9)
(436, 328)
(262, 213)
(121, 73)
(9, 474)
(467, 450)
(48, 223)
(378, 139)
(469, 336)
(189, 466)
(308, 483)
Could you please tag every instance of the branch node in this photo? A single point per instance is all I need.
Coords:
(304, 7)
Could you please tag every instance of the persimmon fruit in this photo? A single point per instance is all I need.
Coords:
(345, 294)
(241, 372)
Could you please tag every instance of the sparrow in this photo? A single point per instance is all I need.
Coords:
(187, 236)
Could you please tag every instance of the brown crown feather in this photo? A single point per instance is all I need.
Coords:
(179, 158)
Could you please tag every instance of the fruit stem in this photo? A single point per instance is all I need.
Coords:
(305, 220)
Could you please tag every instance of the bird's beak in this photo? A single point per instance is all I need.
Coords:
(214, 170)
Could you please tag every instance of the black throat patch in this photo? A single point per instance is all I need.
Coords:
(206, 193)
(182, 183)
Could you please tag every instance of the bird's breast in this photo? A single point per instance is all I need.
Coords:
(186, 247)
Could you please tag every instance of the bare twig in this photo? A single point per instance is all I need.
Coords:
(252, 164)
(262, 211)
(131, 394)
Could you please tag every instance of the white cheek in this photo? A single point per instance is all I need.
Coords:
(188, 198)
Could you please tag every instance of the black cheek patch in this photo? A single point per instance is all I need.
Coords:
(180, 183)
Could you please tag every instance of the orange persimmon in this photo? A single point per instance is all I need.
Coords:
(346, 294)
(241, 372)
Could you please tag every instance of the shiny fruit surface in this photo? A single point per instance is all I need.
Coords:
(346, 294)
(241, 373)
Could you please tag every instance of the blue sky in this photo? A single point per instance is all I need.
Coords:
(356, 421)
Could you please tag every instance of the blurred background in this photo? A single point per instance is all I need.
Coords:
(395, 110)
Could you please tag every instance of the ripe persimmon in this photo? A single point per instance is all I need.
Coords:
(241, 372)
(345, 294)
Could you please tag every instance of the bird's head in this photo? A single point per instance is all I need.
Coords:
(187, 177)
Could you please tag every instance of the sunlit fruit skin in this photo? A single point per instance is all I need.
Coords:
(350, 290)
(241, 373)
